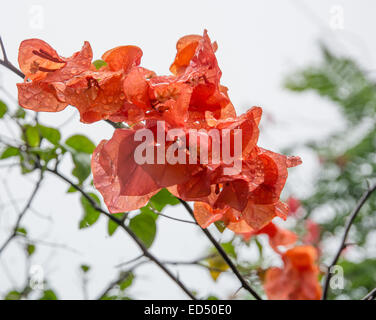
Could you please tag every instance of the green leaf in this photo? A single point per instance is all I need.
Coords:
(99, 63)
(80, 143)
(20, 113)
(45, 154)
(30, 248)
(90, 214)
(10, 152)
(127, 282)
(144, 226)
(229, 249)
(82, 167)
(48, 295)
(149, 211)
(162, 199)
(112, 226)
(220, 226)
(85, 268)
(3, 109)
(22, 231)
(51, 134)
(13, 295)
(71, 189)
(32, 136)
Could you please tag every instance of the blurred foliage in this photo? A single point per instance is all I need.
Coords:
(347, 157)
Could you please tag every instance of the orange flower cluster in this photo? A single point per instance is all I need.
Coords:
(298, 279)
(191, 98)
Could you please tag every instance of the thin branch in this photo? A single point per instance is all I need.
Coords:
(5, 58)
(6, 63)
(139, 243)
(371, 295)
(23, 212)
(117, 125)
(173, 218)
(129, 261)
(224, 255)
(119, 280)
(349, 223)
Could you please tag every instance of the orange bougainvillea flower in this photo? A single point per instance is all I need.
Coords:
(312, 235)
(294, 205)
(277, 236)
(191, 97)
(298, 279)
(58, 82)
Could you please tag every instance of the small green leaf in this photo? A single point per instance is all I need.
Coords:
(99, 64)
(20, 113)
(30, 248)
(149, 211)
(3, 109)
(22, 231)
(85, 268)
(162, 199)
(13, 295)
(112, 226)
(10, 152)
(220, 226)
(144, 226)
(127, 282)
(90, 214)
(71, 189)
(82, 167)
(51, 134)
(229, 249)
(80, 143)
(32, 136)
(48, 295)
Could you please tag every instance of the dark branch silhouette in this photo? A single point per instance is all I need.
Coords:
(349, 223)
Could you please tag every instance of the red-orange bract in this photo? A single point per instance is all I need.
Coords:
(192, 97)
(277, 236)
(298, 279)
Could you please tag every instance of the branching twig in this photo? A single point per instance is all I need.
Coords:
(224, 255)
(349, 223)
(6, 63)
(23, 212)
(119, 280)
(371, 295)
(139, 243)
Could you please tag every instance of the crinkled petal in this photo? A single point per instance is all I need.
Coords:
(123, 58)
(39, 97)
(205, 215)
(107, 183)
(35, 57)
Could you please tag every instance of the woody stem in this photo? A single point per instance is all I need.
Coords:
(224, 255)
(349, 223)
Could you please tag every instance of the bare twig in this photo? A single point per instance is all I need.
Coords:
(224, 255)
(23, 212)
(129, 261)
(371, 295)
(117, 125)
(6, 63)
(349, 223)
